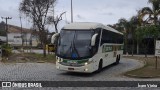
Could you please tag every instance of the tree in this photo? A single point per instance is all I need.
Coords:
(55, 20)
(123, 23)
(37, 10)
(149, 31)
(128, 27)
(150, 25)
(140, 23)
(153, 12)
(133, 23)
(2, 29)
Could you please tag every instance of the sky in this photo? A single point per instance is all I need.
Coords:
(101, 11)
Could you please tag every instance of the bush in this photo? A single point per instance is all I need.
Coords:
(6, 50)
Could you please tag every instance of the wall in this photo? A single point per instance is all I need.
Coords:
(16, 40)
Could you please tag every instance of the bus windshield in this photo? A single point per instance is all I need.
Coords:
(74, 44)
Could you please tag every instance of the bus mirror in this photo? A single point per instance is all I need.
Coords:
(54, 37)
(93, 40)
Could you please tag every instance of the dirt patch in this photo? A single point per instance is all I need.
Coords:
(148, 71)
(29, 57)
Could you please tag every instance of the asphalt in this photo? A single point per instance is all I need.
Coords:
(48, 72)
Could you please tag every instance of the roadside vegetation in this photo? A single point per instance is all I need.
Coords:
(29, 58)
(140, 34)
(141, 30)
(148, 71)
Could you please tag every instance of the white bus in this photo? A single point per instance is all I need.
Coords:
(87, 47)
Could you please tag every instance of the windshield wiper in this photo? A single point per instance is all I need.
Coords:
(74, 48)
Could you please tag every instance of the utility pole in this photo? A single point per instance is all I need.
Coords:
(21, 33)
(71, 12)
(6, 18)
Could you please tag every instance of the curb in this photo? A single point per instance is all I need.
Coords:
(40, 62)
(136, 76)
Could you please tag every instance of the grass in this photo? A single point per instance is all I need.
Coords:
(29, 57)
(148, 71)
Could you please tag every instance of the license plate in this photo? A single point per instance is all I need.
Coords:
(70, 68)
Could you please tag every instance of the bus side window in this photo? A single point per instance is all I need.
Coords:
(111, 37)
(107, 37)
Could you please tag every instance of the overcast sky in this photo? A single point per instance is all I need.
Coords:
(102, 11)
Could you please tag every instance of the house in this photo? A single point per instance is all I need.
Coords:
(15, 35)
(2, 40)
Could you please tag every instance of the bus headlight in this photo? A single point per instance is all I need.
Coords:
(58, 60)
(86, 69)
(88, 62)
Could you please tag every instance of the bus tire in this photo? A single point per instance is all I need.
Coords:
(100, 65)
(117, 59)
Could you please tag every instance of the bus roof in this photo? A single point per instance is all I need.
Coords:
(88, 25)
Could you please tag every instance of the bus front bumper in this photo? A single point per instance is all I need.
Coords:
(85, 69)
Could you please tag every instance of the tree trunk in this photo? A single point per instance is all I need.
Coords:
(137, 47)
(155, 20)
(132, 47)
(132, 43)
(146, 47)
(43, 37)
(145, 51)
(56, 29)
(44, 50)
(155, 45)
(126, 43)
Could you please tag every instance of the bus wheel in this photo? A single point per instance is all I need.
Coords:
(117, 59)
(100, 66)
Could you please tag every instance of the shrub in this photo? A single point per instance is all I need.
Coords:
(6, 50)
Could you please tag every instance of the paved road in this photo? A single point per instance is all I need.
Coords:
(48, 72)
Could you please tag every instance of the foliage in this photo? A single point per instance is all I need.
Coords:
(152, 13)
(2, 29)
(30, 57)
(147, 71)
(150, 31)
(128, 28)
(55, 20)
(140, 28)
(6, 50)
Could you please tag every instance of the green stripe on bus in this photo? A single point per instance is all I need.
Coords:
(110, 48)
(107, 48)
(77, 61)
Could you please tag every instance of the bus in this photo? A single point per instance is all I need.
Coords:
(87, 47)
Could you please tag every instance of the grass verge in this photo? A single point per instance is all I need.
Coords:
(29, 57)
(148, 71)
